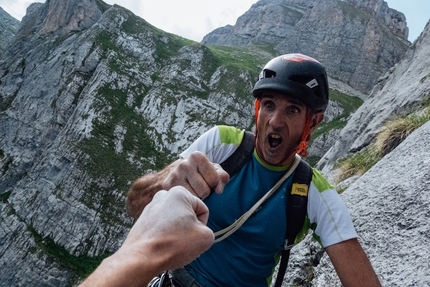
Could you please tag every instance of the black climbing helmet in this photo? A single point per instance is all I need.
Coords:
(298, 76)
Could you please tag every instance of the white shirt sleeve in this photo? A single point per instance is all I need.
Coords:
(332, 218)
(211, 144)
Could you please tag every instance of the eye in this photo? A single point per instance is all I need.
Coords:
(268, 104)
(293, 110)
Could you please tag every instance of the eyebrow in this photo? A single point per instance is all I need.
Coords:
(291, 99)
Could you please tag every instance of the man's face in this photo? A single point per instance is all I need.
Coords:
(280, 125)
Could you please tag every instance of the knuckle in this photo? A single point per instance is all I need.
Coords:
(184, 167)
(198, 157)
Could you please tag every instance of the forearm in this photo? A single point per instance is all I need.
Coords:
(352, 265)
(158, 241)
(113, 272)
(143, 190)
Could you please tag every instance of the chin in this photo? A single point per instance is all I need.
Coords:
(272, 160)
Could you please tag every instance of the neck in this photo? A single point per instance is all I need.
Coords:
(280, 167)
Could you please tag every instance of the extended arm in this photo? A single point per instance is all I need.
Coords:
(196, 173)
(352, 265)
(162, 238)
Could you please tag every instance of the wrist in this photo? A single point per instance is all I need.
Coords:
(122, 269)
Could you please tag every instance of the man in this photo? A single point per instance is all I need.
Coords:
(291, 97)
(159, 240)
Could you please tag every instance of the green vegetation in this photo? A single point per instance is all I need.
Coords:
(425, 78)
(391, 135)
(165, 49)
(357, 164)
(325, 128)
(102, 5)
(237, 61)
(5, 104)
(81, 266)
(135, 25)
(5, 196)
(105, 162)
(313, 160)
(349, 103)
(240, 58)
(106, 41)
(398, 129)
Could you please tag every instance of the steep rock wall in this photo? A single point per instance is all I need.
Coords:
(357, 41)
(401, 91)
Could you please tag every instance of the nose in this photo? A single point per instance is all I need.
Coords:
(277, 119)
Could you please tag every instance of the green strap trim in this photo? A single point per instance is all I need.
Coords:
(230, 135)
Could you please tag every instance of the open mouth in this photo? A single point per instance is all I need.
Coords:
(274, 140)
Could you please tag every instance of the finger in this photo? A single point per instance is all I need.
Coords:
(184, 198)
(206, 176)
(203, 240)
(203, 236)
(223, 178)
(200, 209)
(178, 176)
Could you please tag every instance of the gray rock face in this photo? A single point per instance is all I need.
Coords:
(389, 203)
(90, 101)
(61, 17)
(389, 207)
(357, 41)
(400, 91)
(392, 19)
(8, 28)
(323, 143)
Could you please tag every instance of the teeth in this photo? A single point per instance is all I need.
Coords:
(274, 140)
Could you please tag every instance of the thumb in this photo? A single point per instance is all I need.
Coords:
(201, 210)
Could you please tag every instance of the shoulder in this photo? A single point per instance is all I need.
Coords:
(222, 134)
(319, 181)
(218, 143)
(230, 135)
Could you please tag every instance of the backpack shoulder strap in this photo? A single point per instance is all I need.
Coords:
(296, 213)
(240, 156)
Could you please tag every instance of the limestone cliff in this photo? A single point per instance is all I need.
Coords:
(389, 202)
(357, 41)
(91, 98)
(400, 91)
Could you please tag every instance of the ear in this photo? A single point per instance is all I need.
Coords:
(316, 119)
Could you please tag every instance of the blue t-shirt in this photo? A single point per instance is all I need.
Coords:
(265, 230)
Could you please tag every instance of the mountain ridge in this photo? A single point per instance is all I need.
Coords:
(357, 41)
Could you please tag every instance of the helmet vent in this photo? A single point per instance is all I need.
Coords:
(267, 74)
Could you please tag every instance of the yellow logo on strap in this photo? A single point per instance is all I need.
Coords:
(300, 189)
